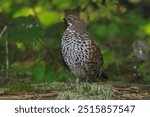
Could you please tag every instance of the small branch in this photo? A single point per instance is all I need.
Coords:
(7, 56)
(6, 50)
(2, 32)
(2, 69)
(36, 16)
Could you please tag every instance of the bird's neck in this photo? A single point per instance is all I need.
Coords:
(78, 27)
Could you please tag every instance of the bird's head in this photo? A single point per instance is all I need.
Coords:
(71, 19)
(75, 23)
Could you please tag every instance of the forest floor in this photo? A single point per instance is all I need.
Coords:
(122, 91)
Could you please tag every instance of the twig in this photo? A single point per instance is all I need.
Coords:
(6, 49)
(2, 70)
(36, 16)
(7, 56)
(2, 32)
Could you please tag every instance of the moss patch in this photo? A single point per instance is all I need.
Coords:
(64, 91)
(88, 92)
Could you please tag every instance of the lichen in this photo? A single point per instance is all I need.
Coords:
(87, 91)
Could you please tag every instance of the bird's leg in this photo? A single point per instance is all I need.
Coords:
(77, 81)
(87, 79)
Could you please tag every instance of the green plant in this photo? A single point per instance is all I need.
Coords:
(144, 70)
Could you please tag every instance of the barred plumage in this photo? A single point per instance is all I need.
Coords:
(79, 51)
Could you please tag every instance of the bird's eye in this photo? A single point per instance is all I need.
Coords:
(70, 19)
(67, 19)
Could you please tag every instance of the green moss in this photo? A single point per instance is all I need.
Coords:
(37, 87)
(20, 87)
(89, 92)
(82, 92)
(54, 86)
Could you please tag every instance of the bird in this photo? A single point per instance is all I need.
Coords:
(79, 50)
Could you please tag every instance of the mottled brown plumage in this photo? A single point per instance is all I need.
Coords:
(80, 51)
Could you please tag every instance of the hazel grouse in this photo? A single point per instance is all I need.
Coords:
(79, 50)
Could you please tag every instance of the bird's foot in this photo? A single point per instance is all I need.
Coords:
(75, 84)
(87, 79)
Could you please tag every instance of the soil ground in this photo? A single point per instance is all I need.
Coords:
(122, 91)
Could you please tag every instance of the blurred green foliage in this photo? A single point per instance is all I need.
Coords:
(35, 28)
(144, 69)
